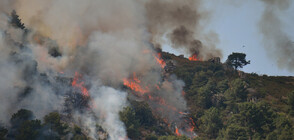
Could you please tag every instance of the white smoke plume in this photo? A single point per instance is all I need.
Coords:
(106, 41)
(21, 86)
(108, 103)
(183, 22)
(277, 43)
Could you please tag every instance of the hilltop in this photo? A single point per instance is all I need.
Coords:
(223, 103)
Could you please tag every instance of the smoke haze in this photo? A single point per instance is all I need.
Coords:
(105, 41)
(276, 41)
(108, 43)
(183, 24)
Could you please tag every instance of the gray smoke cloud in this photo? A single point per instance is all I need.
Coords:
(182, 22)
(113, 102)
(22, 86)
(105, 41)
(277, 43)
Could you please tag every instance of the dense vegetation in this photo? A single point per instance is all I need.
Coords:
(224, 103)
(230, 104)
(24, 126)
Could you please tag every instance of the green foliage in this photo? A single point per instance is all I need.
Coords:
(210, 122)
(216, 98)
(79, 137)
(205, 93)
(236, 93)
(222, 86)
(29, 130)
(77, 129)
(283, 129)
(77, 133)
(173, 138)
(238, 90)
(128, 116)
(139, 116)
(291, 100)
(21, 116)
(54, 122)
(257, 118)
(3, 132)
(151, 137)
(234, 132)
(201, 78)
(133, 133)
(143, 114)
(237, 60)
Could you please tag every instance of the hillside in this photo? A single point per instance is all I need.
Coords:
(219, 97)
(223, 104)
(114, 82)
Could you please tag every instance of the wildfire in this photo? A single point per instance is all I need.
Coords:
(159, 60)
(192, 125)
(134, 84)
(177, 132)
(194, 57)
(79, 85)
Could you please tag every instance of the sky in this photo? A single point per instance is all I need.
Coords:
(237, 27)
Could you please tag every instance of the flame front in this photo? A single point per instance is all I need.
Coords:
(177, 132)
(159, 60)
(80, 85)
(152, 94)
(194, 57)
(134, 84)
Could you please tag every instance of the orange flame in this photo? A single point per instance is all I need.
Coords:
(194, 58)
(159, 60)
(177, 132)
(192, 125)
(134, 84)
(80, 85)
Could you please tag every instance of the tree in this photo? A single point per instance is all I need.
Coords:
(237, 60)
(256, 118)
(284, 129)
(236, 93)
(151, 137)
(3, 132)
(173, 138)
(54, 122)
(77, 134)
(29, 130)
(234, 132)
(205, 93)
(291, 100)
(21, 116)
(211, 122)
(143, 113)
(128, 116)
(15, 21)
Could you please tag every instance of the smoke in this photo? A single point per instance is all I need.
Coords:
(105, 41)
(278, 44)
(182, 22)
(111, 102)
(171, 92)
(99, 39)
(22, 86)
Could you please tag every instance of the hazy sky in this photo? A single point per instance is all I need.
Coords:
(237, 27)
